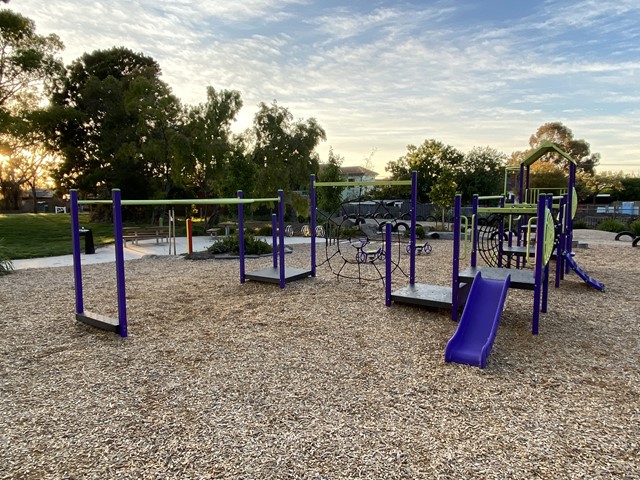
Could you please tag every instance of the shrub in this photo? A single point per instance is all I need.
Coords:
(351, 232)
(580, 225)
(6, 267)
(231, 244)
(635, 227)
(611, 225)
(264, 230)
(420, 231)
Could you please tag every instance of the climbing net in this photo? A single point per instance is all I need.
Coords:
(490, 238)
(354, 240)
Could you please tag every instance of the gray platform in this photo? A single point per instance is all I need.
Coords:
(521, 279)
(272, 275)
(424, 295)
(99, 321)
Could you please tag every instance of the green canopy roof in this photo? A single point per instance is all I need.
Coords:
(542, 150)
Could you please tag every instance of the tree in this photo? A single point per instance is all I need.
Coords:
(28, 68)
(213, 149)
(443, 191)
(112, 117)
(596, 184)
(481, 172)
(429, 159)
(563, 137)
(631, 188)
(330, 198)
(284, 149)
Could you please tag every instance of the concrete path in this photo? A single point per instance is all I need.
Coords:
(105, 254)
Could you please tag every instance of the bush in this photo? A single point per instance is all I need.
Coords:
(264, 230)
(6, 267)
(611, 225)
(351, 232)
(580, 225)
(420, 232)
(635, 227)
(231, 244)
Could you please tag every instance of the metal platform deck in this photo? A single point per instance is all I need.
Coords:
(521, 279)
(424, 295)
(272, 275)
(99, 321)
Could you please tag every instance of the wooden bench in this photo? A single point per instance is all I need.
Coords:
(150, 232)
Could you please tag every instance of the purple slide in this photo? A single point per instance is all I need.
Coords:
(472, 342)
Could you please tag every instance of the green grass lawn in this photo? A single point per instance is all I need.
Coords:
(30, 235)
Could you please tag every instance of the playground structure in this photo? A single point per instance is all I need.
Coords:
(278, 273)
(543, 224)
(359, 260)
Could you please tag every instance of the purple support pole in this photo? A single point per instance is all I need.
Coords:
(474, 232)
(545, 272)
(281, 237)
(75, 244)
(521, 182)
(387, 264)
(241, 237)
(120, 284)
(274, 239)
(412, 239)
(455, 284)
(312, 196)
(561, 242)
(538, 273)
(501, 233)
(569, 219)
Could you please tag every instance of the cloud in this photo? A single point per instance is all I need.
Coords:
(388, 74)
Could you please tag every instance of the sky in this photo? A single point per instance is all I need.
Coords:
(380, 75)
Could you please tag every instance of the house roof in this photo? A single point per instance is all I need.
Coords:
(542, 150)
(40, 193)
(357, 171)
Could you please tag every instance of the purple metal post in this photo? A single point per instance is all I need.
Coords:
(75, 245)
(312, 196)
(569, 218)
(545, 271)
(521, 185)
(561, 242)
(387, 264)
(274, 239)
(120, 284)
(474, 232)
(455, 283)
(538, 273)
(281, 237)
(412, 239)
(501, 235)
(241, 236)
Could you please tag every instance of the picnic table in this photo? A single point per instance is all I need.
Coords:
(148, 232)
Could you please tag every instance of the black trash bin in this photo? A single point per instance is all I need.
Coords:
(88, 240)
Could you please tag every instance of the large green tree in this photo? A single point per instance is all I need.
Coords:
(284, 149)
(329, 199)
(429, 159)
(114, 123)
(481, 172)
(29, 65)
(562, 136)
(214, 152)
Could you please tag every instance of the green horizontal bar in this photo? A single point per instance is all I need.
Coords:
(492, 197)
(508, 211)
(371, 183)
(193, 201)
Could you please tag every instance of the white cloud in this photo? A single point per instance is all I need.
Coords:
(389, 76)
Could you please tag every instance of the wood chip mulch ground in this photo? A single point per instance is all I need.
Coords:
(319, 380)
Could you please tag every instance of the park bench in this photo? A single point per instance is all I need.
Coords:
(150, 232)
